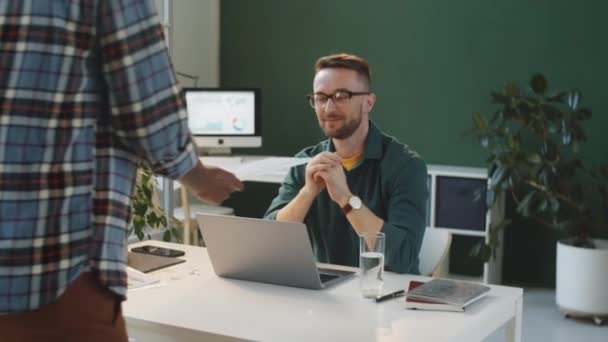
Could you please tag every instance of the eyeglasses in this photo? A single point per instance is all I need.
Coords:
(339, 97)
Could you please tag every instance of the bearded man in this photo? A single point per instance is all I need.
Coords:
(360, 180)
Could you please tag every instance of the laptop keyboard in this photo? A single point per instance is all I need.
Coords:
(327, 277)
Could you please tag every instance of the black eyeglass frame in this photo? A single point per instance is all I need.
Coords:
(311, 97)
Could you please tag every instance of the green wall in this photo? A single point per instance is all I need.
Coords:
(433, 62)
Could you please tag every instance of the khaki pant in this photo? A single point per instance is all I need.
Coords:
(85, 312)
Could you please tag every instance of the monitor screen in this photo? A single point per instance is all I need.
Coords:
(456, 206)
(224, 117)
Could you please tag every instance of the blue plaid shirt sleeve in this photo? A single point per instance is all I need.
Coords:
(147, 109)
(86, 91)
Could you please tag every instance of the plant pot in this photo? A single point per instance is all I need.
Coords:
(582, 279)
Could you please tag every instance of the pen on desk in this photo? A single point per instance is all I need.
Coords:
(392, 295)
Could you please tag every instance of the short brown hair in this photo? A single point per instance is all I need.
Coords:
(346, 61)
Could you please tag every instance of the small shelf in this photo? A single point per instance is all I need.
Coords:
(457, 204)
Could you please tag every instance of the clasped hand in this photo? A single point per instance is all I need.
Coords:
(325, 171)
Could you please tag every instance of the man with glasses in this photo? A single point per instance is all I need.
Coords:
(360, 180)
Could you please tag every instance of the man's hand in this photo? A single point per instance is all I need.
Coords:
(335, 181)
(296, 210)
(324, 161)
(211, 184)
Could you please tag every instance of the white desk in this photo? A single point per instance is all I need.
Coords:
(197, 305)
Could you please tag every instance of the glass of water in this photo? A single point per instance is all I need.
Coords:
(371, 263)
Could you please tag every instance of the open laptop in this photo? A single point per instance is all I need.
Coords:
(265, 251)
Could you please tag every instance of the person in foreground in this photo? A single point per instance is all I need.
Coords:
(359, 180)
(86, 91)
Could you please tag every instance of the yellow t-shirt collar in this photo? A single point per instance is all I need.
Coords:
(349, 163)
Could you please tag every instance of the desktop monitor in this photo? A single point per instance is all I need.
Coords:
(221, 118)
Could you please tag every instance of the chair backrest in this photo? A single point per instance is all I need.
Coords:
(434, 250)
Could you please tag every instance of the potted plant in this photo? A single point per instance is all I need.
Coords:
(146, 213)
(533, 139)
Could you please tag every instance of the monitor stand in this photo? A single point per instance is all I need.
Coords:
(214, 151)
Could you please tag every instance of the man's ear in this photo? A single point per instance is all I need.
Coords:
(369, 102)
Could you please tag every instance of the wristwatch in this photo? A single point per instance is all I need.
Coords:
(354, 202)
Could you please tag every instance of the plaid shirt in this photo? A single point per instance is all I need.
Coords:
(86, 89)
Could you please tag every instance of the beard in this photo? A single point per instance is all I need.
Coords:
(346, 130)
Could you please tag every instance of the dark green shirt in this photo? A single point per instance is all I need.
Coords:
(390, 178)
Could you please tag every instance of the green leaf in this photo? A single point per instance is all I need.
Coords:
(575, 146)
(490, 198)
(147, 192)
(552, 128)
(481, 251)
(538, 83)
(497, 177)
(485, 253)
(511, 89)
(553, 204)
(480, 121)
(484, 141)
(533, 158)
(542, 206)
(549, 150)
(573, 99)
(140, 208)
(566, 138)
(176, 233)
(151, 219)
(524, 206)
(167, 235)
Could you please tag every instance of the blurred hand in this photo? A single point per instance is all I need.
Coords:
(323, 161)
(211, 184)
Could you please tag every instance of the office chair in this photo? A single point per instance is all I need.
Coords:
(434, 250)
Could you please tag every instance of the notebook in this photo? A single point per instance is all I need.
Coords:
(443, 294)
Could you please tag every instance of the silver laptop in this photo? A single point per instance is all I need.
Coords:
(265, 251)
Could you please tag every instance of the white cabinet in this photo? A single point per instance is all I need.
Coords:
(452, 206)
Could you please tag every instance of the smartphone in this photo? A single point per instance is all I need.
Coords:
(166, 252)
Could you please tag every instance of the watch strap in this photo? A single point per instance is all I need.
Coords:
(347, 208)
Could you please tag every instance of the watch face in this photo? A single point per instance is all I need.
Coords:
(354, 202)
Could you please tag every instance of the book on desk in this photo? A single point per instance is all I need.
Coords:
(443, 295)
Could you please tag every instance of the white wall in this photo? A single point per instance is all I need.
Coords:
(195, 38)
